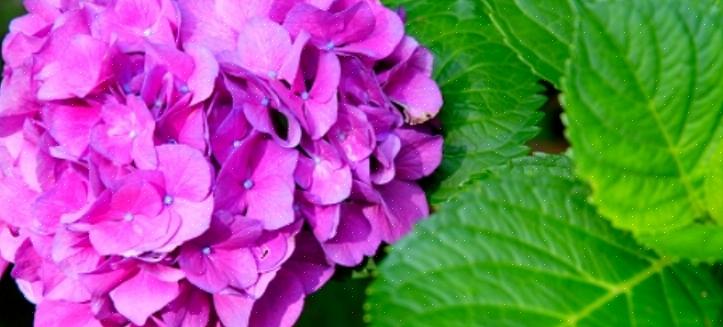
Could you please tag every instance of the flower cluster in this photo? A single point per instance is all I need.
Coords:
(206, 162)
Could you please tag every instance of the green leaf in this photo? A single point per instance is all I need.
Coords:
(644, 101)
(714, 186)
(522, 248)
(491, 97)
(540, 31)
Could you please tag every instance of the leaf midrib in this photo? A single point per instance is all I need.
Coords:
(620, 288)
(650, 106)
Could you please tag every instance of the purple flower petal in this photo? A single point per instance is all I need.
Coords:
(420, 155)
(143, 295)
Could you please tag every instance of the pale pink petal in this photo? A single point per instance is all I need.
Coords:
(202, 80)
(143, 295)
(187, 172)
(76, 72)
(262, 46)
(195, 220)
(233, 310)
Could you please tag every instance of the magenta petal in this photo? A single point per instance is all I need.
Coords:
(64, 314)
(69, 195)
(224, 268)
(203, 79)
(74, 253)
(195, 218)
(330, 179)
(420, 155)
(266, 120)
(321, 107)
(327, 79)
(126, 133)
(187, 172)
(388, 32)
(191, 309)
(172, 60)
(405, 204)
(307, 18)
(143, 295)
(309, 264)
(281, 304)
(201, 25)
(383, 169)
(71, 127)
(352, 134)
(9, 244)
(262, 46)
(259, 177)
(271, 201)
(354, 238)
(19, 214)
(232, 309)
(235, 13)
(275, 248)
(200, 270)
(290, 67)
(129, 220)
(229, 135)
(238, 265)
(186, 125)
(321, 116)
(351, 25)
(324, 220)
(16, 93)
(418, 94)
(76, 71)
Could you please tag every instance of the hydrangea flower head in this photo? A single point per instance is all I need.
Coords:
(206, 162)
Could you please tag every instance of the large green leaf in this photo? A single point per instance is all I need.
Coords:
(540, 31)
(491, 97)
(644, 102)
(524, 248)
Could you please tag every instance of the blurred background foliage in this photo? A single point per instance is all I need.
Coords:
(340, 301)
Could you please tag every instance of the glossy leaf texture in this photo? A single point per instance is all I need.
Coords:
(491, 97)
(522, 245)
(643, 95)
(540, 31)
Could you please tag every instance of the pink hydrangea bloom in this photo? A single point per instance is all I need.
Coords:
(206, 162)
